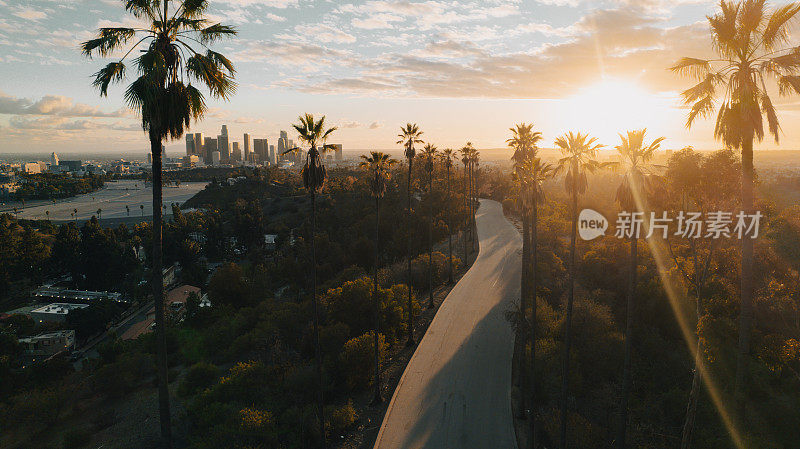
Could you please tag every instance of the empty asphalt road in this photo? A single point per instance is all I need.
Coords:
(455, 392)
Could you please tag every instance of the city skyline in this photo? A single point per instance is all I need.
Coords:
(480, 66)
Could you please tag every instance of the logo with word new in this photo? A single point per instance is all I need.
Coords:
(591, 224)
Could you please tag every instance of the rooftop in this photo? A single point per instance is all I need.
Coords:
(59, 308)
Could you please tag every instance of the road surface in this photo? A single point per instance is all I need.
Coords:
(112, 199)
(455, 391)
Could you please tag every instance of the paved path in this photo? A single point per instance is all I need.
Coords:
(455, 392)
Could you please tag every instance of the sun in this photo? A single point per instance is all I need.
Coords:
(613, 106)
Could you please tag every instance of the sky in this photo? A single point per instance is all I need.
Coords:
(463, 70)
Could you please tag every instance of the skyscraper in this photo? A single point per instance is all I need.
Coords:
(190, 148)
(272, 159)
(210, 146)
(247, 148)
(54, 160)
(224, 145)
(236, 153)
(198, 145)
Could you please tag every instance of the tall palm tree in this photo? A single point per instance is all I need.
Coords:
(167, 100)
(580, 156)
(430, 152)
(99, 213)
(378, 166)
(410, 135)
(752, 44)
(447, 156)
(474, 162)
(313, 134)
(141, 208)
(632, 197)
(465, 159)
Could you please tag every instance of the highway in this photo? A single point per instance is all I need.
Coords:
(112, 199)
(455, 391)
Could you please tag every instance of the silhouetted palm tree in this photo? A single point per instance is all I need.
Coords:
(465, 159)
(752, 45)
(632, 197)
(474, 162)
(99, 213)
(168, 102)
(534, 174)
(378, 166)
(410, 136)
(430, 153)
(447, 158)
(313, 133)
(580, 152)
(141, 207)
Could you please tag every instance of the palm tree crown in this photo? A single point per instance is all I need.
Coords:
(379, 165)
(636, 157)
(409, 136)
(524, 141)
(580, 152)
(313, 133)
(751, 44)
(163, 93)
(430, 152)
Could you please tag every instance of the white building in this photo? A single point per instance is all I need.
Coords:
(31, 167)
(215, 158)
(56, 312)
(49, 343)
(53, 159)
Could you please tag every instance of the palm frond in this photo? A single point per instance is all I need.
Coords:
(107, 41)
(113, 72)
(216, 32)
(776, 30)
(692, 67)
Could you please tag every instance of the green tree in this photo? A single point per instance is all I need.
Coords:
(752, 45)
(167, 101)
(314, 134)
(378, 166)
(637, 183)
(580, 156)
(410, 135)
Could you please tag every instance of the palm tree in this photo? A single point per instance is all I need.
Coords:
(474, 162)
(313, 133)
(631, 196)
(409, 136)
(580, 153)
(128, 210)
(141, 207)
(430, 153)
(75, 214)
(752, 44)
(535, 173)
(447, 158)
(378, 165)
(99, 213)
(167, 100)
(47, 212)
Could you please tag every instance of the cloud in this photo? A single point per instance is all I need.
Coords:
(325, 33)
(625, 43)
(28, 13)
(52, 105)
(376, 125)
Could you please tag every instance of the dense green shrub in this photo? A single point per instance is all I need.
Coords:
(358, 360)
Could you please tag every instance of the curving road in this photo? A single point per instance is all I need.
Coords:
(455, 391)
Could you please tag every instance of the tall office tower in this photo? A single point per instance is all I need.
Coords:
(225, 130)
(284, 135)
(224, 148)
(215, 158)
(54, 160)
(258, 149)
(290, 144)
(272, 159)
(337, 151)
(247, 147)
(236, 153)
(190, 150)
(282, 146)
(210, 146)
(198, 145)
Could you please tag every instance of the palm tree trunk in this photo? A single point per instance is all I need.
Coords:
(466, 211)
(158, 298)
(410, 322)
(533, 243)
(431, 305)
(568, 324)
(626, 367)
(377, 399)
(449, 232)
(746, 314)
(694, 393)
(317, 349)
